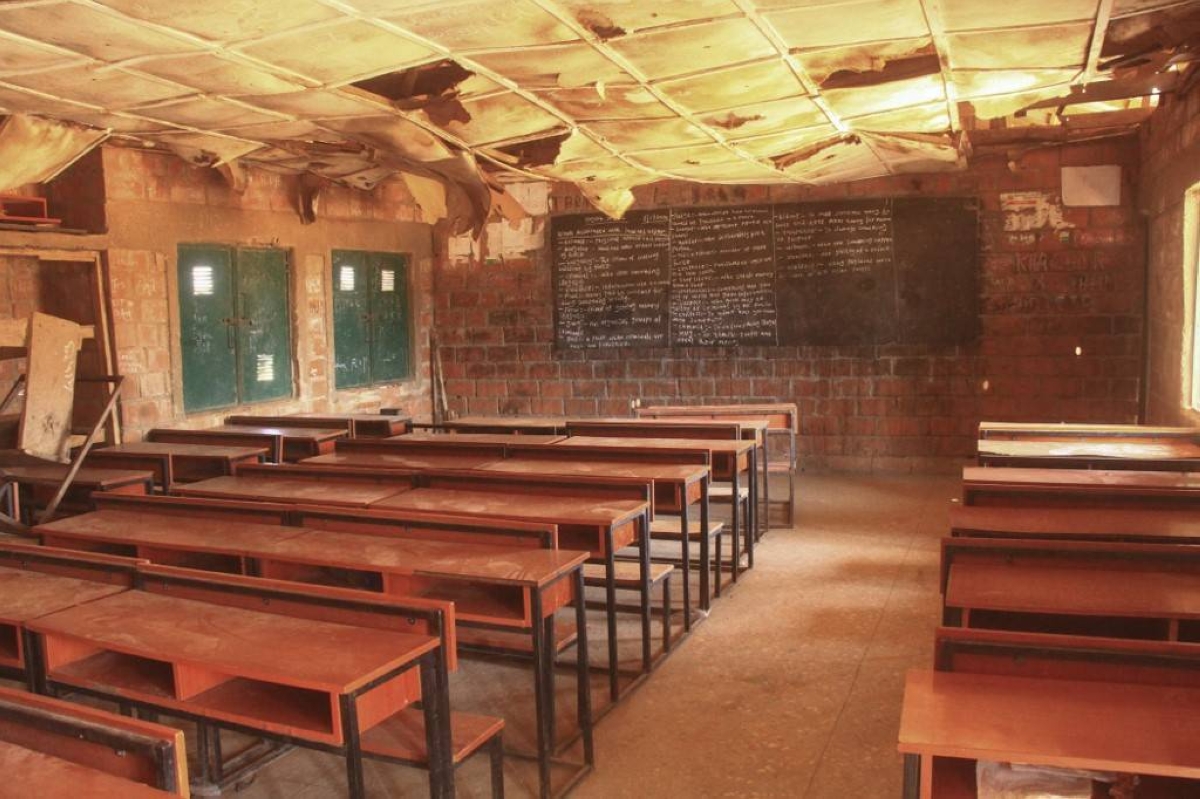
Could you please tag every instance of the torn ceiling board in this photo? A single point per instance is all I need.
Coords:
(760, 82)
(855, 22)
(353, 90)
(694, 48)
(34, 150)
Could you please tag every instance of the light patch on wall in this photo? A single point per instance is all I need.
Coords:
(387, 279)
(265, 368)
(202, 281)
(346, 278)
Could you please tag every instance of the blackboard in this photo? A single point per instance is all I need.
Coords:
(855, 272)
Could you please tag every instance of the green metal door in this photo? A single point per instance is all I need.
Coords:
(390, 324)
(207, 327)
(351, 319)
(263, 333)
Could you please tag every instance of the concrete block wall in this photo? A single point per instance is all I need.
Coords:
(1075, 282)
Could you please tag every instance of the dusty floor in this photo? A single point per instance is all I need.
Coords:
(791, 688)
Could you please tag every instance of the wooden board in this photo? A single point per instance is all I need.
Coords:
(849, 272)
(50, 387)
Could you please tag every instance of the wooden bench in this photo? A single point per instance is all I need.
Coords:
(1135, 525)
(1070, 431)
(1169, 455)
(1080, 488)
(302, 485)
(1050, 700)
(211, 648)
(519, 425)
(1119, 590)
(628, 578)
(49, 747)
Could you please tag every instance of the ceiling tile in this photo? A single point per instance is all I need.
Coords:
(1034, 48)
(317, 104)
(848, 160)
(13, 99)
(927, 118)
(740, 171)
(617, 102)
(19, 55)
(485, 25)
(97, 34)
(206, 113)
(970, 84)
(694, 48)
(274, 131)
(107, 88)
(565, 65)
(119, 123)
(214, 74)
(599, 170)
(849, 103)
(632, 135)
(579, 146)
(737, 86)
(673, 158)
(500, 118)
(975, 14)
(860, 60)
(763, 118)
(348, 50)
(786, 143)
(612, 18)
(850, 23)
(227, 20)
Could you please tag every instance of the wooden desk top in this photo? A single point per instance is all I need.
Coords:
(1151, 450)
(512, 422)
(30, 773)
(1053, 722)
(147, 528)
(316, 434)
(478, 438)
(26, 595)
(476, 562)
(1182, 526)
(403, 459)
(307, 653)
(757, 425)
(715, 446)
(1087, 588)
(357, 417)
(52, 474)
(1081, 429)
(295, 491)
(656, 472)
(1095, 479)
(555, 509)
(181, 450)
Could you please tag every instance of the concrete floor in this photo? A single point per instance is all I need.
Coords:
(792, 687)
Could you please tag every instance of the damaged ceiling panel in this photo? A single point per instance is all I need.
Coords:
(607, 94)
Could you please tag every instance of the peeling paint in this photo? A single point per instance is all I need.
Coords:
(599, 23)
(732, 121)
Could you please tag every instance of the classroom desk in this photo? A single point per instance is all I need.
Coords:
(404, 459)
(1148, 526)
(359, 425)
(1034, 431)
(675, 489)
(1079, 488)
(492, 587)
(597, 526)
(42, 480)
(518, 425)
(28, 595)
(950, 719)
(298, 442)
(290, 490)
(478, 438)
(319, 684)
(1155, 455)
(171, 463)
(730, 460)
(29, 773)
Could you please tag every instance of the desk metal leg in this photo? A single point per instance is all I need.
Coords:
(355, 780)
(644, 557)
(685, 565)
(766, 485)
(735, 529)
(543, 698)
(435, 701)
(705, 554)
(610, 602)
(752, 479)
(583, 678)
(746, 522)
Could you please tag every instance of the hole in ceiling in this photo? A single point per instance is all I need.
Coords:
(432, 88)
(599, 24)
(536, 152)
(915, 65)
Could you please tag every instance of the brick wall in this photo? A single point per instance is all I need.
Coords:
(156, 201)
(1045, 291)
(1170, 150)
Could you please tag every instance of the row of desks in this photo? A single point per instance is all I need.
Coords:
(1071, 598)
